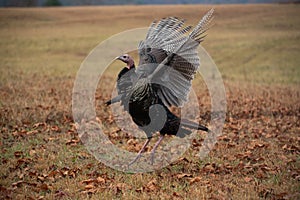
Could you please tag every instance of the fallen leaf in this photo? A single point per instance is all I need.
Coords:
(55, 128)
(131, 142)
(176, 194)
(195, 179)
(39, 124)
(89, 186)
(88, 181)
(209, 168)
(152, 185)
(41, 178)
(32, 152)
(141, 189)
(248, 179)
(60, 194)
(73, 142)
(179, 176)
(100, 180)
(32, 132)
(121, 186)
(44, 187)
(24, 161)
(17, 184)
(18, 154)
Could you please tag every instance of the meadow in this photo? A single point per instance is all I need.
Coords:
(256, 48)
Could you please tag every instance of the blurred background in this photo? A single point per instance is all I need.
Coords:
(255, 45)
(33, 3)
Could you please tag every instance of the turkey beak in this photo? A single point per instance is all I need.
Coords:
(119, 58)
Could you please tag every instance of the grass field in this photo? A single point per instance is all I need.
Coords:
(256, 48)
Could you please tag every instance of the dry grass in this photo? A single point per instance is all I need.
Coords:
(256, 48)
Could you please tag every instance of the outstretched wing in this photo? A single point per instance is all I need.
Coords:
(169, 56)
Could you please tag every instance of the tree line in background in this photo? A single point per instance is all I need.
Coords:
(34, 3)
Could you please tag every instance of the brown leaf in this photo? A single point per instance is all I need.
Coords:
(53, 173)
(209, 168)
(32, 152)
(70, 172)
(121, 186)
(131, 142)
(88, 181)
(39, 124)
(248, 179)
(44, 187)
(256, 144)
(152, 185)
(265, 168)
(176, 194)
(205, 182)
(260, 145)
(41, 178)
(251, 146)
(141, 189)
(90, 191)
(260, 174)
(195, 179)
(52, 138)
(18, 154)
(19, 133)
(60, 194)
(55, 128)
(5, 192)
(89, 186)
(269, 135)
(23, 161)
(291, 148)
(180, 160)
(20, 175)
(32, 132)
(179, 176)
(100, 180)
(83, 155)
(73, 142)
(18, 183)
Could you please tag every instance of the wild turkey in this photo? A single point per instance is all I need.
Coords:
(168, 61)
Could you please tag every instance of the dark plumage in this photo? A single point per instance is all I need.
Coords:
(168, 62)
(125, 81)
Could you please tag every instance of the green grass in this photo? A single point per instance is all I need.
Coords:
(256, 48)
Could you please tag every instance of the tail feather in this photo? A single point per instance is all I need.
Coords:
(202, 26)
(113, 100)
(193, 125)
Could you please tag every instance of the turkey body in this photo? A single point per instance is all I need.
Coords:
(168, 61)
(149, 112)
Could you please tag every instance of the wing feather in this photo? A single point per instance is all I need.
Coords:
(169, 56)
